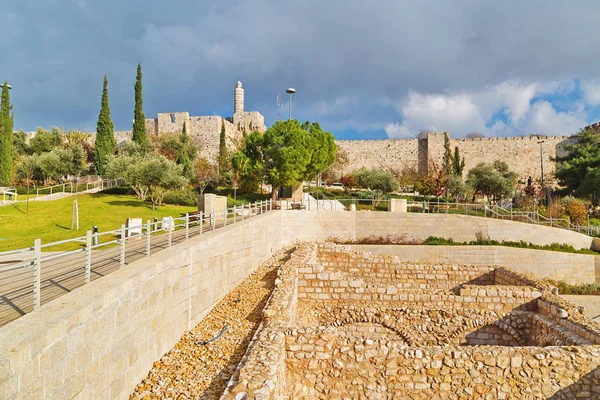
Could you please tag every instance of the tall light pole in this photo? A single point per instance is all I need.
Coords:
(290, 91)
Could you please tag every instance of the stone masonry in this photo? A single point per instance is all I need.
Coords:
(521, 153)
(342, 324)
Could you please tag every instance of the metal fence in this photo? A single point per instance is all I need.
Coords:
(46, 271)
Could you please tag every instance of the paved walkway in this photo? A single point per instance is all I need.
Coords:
(62, 275)
(591, 304)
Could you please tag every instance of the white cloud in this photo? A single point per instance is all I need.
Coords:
(460, 113)
(545, 119)
(591, 92)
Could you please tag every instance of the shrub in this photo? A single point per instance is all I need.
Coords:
(555, 209)
(186, 197)
(118, 190)
(577, 211)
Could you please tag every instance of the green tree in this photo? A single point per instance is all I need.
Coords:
(139, 119)
(248, 163)
(579, 169)
(323, 150)
(160, 176)
(20, 146)
(105, 138)
(223, 156)
(45, 141)
(448, 159)
(495, 180)
(6, 137)
(186, 154)
(377, 180)
(458, 165)
(127, 166)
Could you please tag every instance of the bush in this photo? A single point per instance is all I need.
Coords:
(118, 190)
(577, 211)
(583, 288)
(440, 241)
(186, 197)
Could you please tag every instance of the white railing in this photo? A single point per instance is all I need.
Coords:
(106, 250)
(70, 187)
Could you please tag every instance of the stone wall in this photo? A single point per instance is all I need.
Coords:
(522, 153)
(100, 340)
(571, 268)
(327, 366)
(309, 226)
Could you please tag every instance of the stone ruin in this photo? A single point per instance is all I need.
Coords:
(342, 324)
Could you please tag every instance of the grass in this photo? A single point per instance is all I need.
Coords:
(561, 247)
(51, 220)
(582, 288)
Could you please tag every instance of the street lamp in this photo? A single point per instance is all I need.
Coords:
(290, 91)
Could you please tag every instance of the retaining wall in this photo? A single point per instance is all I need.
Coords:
(101, 339)
(306, 225)
(569, 267)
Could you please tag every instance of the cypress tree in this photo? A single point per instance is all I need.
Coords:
(184, 157)
(447, 162)
(139, 119)
(222, 160)
(457, 165)
(6, 137)
(105, 138)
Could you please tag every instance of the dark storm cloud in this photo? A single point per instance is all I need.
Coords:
(353, 63)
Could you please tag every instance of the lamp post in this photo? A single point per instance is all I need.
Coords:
(290, 91)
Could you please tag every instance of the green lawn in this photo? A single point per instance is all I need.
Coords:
(51, 220)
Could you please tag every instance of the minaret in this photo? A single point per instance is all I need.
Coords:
(238, 99)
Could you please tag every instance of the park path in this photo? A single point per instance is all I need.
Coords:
(63, 275)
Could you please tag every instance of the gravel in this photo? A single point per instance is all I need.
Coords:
(200, 370)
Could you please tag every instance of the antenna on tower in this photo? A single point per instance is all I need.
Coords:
(278, 106)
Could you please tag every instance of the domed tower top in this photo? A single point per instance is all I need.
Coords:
(238, 98)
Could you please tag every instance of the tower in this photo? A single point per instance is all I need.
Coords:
(238, 99)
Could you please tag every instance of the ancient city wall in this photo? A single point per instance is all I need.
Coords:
(386, 154)
(101, 339)
(571, 268)
(521, 153)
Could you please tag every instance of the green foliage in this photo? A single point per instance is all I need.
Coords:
(495, 180)
(248, 163)
(45, 141)
(592, 289)
(481, 241)
(323, 150)
(458, 165)
(105, 138)
(185, 197)
(376, 180)
(579, 170)
(457, 188)
(447, 161)
(186, 154)
(139, 119)
(58, 163)
(20, 146)
(223, 156)
(6, 137)
(149, 175)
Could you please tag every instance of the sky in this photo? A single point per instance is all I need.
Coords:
(364, 70)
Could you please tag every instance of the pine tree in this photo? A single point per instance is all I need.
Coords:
(447, 162)
(222, 163)
(458, 165)
(6, 137)
(105, 138)
(186, 154)
(139, 119)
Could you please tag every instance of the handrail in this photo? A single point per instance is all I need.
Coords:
(190, 224)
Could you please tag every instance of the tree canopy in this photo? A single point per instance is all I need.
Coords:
(139, 119)
(494, 180)
(290, 152)
(579, 170)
